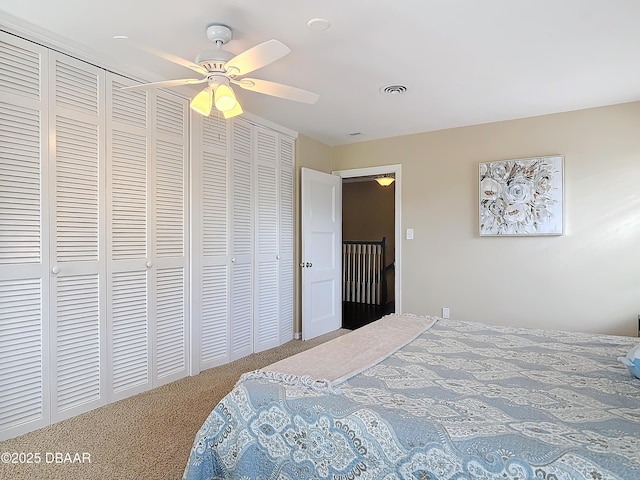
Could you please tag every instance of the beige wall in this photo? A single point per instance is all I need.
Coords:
(368, 212)
(588, 279)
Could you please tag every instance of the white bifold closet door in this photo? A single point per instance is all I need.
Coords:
(241, 214)
(129, 239)
(273, 239)
(77, 247)
(243, 181)
(267, 302)
(286, 236)
(147, 238)
(24, 237)
(93, 237)
(211, 262)
(52, 249)
(170, 240)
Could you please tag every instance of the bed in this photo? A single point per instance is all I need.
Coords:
(432, 399)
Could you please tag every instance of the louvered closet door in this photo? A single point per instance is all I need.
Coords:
(128, 134)
(24, 230)
(266, 317)
(286, 236)
(211, 260)
(169, 267)
(78, 260)
(241, 280)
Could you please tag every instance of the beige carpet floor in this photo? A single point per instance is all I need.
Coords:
(148, 436)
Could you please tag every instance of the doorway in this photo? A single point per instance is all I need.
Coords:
(371, 236)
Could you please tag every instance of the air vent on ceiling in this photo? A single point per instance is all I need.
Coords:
(393, 89)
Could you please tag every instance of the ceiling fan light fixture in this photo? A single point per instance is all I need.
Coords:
(237, 110)
(202, 102)
(225, 99)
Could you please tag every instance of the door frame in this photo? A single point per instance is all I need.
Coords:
(396, 169)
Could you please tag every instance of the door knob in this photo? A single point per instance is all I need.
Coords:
(55, 269)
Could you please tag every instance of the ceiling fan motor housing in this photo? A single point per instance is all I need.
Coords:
(219, 34)
(214, 60)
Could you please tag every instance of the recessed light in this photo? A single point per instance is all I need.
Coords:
(318, 24)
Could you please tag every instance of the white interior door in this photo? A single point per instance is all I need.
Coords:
(321, 261)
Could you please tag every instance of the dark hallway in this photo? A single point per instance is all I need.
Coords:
(356, 315)
(368, 215)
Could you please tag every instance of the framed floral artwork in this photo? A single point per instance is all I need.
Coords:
(522, 196)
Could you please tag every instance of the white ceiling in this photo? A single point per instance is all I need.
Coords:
(464, 62)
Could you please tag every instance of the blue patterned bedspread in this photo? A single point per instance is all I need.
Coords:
(462, 401)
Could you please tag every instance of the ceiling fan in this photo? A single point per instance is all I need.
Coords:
(220, 69)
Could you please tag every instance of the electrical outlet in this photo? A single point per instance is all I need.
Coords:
(445, 312)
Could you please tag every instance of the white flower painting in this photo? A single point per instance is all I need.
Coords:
(522, 197)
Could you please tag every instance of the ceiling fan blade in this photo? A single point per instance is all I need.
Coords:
(167, 56)
(277, 90)
(256, 57)
(167, 83)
